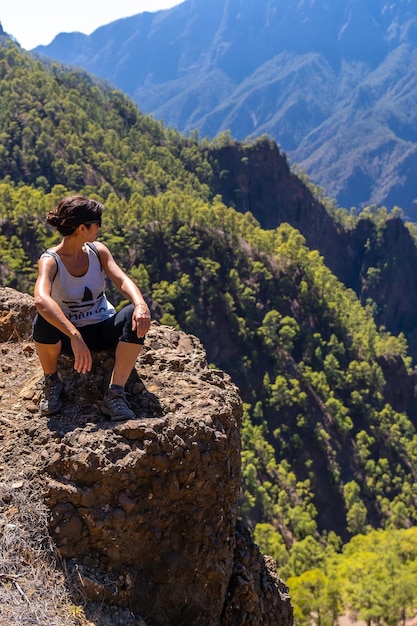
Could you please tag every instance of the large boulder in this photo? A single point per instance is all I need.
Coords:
(17, 311)
(148, 508)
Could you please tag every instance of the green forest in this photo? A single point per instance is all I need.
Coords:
(329, 462)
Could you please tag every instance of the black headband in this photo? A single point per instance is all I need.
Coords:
(83, 214)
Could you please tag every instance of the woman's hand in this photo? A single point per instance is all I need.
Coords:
(141, 319)
(83, 360)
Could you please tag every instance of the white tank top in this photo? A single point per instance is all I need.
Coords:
(82, 298)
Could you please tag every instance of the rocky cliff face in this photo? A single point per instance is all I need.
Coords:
(378, 263)
(146, 511)
(257, 178)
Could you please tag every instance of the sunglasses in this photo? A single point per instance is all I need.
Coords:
(93, 222)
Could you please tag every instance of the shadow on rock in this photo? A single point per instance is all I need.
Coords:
(83, 394)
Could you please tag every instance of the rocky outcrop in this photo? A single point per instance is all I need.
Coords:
(257, 178)
(16, 314)
(146, 512)
(379, 262)
(252, 595)
(389, 277)
(149, 507)
(400, 386)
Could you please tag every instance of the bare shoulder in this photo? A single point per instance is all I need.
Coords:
(102, 249)
(47, 269)
(46, 262)
(106, 258)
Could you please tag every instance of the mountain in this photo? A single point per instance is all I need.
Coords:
(332, 82)
(290, 305)
(366, 255)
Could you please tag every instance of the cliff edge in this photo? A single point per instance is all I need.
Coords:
(145, 511)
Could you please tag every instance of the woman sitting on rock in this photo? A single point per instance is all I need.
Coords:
(73, 313)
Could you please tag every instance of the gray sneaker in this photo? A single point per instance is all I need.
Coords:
(50, 401)
(117, 407)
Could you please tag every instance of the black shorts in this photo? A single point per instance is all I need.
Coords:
(101, 336)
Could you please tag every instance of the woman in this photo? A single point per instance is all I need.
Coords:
(73, 313)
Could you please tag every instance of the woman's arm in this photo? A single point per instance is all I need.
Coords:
(52, 312)
(141, 318)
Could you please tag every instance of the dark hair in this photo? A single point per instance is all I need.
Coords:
(73, 211)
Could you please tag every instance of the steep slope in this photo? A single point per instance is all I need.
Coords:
(310, 362)
(62, 127)
(377, 258)
(331, 82)
(144, 513)
(308, 359)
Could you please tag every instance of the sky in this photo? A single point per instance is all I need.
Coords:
(36, 22)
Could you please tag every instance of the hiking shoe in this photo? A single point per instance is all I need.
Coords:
(50, 401)
(116, 405)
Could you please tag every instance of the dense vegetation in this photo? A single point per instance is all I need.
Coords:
(373, 579)
(326, 456)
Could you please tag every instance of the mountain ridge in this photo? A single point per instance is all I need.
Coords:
(216, 66)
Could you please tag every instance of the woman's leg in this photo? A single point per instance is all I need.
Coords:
(124, 361)
(48, 343)
(117, 333)
(115, 402)
(127, 350)
(50, 401)
(48, 354)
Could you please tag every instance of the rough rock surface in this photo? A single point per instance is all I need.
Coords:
(16, 314)
(256, 595)
(144, 511)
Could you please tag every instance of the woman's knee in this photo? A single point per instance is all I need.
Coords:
(129, 335)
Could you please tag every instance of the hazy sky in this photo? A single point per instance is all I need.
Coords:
(36, 22)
